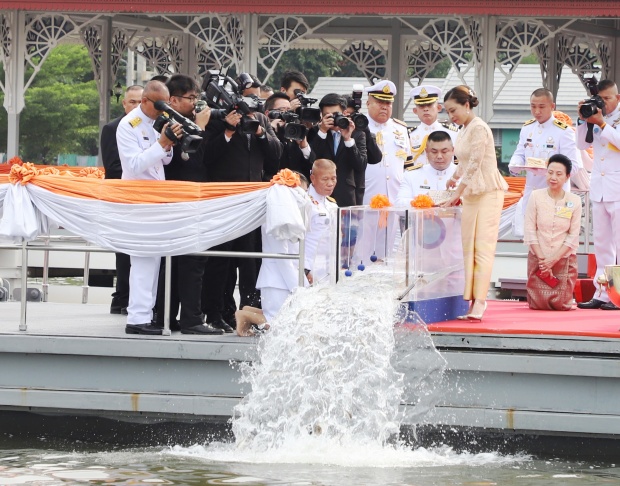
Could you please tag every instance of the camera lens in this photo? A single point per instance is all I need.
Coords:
(200, 105)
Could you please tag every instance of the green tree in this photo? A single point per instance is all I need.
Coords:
(312, 62)
(61, 113)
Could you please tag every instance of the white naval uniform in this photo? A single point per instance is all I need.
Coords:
(605, 192)
(541, 140)
(420, 180)
(318, 238)
(141, 158)
(278, 278)
(416, 136)
(384, 178)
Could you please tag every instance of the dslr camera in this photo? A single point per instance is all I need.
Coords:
(360, 120)
(307, 114)
(223, 95)
(594, 103)
(294, 129)
(340, 120)
(192, 134)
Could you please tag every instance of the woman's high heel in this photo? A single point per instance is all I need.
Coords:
(478, 317)
(466, 316)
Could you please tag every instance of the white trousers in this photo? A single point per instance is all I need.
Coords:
(271, 300)
(606, 221)
(143, 278)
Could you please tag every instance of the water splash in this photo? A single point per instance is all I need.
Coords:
(333, 372)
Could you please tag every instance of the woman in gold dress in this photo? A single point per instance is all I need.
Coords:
(481, 188)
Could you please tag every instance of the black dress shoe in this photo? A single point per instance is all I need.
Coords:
(143, 329)
(221, 324)
(591, 304)
(610, 306)
(201, 329)
(118, 310)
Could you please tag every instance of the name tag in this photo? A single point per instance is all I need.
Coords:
(425, 187)
(563, 212)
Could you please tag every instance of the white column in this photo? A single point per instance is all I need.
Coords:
(14, 80)
(485, 72)
(249, 63)
(394, 71)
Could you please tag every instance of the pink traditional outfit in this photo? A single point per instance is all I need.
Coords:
(551, 224)
(483, 199)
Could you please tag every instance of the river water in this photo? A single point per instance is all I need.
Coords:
(324, 410)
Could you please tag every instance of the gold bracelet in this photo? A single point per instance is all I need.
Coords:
(603, 125)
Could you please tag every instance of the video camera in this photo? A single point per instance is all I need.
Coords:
(360, 120)
(222, 101)
(591, 106)
(294, 129)
(192, 133)
(307, 114)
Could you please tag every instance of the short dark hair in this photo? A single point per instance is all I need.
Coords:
(159, 77)
(462, 94)
(302, 178)
(605, 84)
(271, 101)
(179, 84)
(290, 77)
(333, 99)
(438, 136)
(543, 92)
(561, 159)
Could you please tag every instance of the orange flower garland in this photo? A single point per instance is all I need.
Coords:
(286, 177)
(381, 201)
(422, 201)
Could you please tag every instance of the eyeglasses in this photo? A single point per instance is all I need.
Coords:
(192, 99)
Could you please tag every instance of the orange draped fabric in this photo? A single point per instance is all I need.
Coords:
(516, 184)
(6, 168)
(139, 192)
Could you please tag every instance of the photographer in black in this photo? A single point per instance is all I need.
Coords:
(232, 156)
(296, 154)
(294, 83)
(374, 154)
(187, 270)
(336, 139)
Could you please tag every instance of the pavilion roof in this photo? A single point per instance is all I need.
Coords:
(532, 8)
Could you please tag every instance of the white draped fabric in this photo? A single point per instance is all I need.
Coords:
(143, 229)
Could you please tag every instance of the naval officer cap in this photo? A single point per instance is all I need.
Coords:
(383, 90)
(425, 94)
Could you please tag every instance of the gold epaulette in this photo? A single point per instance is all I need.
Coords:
(400, 122)
(449, 126)
(415, 167)
(135, 122)
(560, 124)
(331, 199)
(529, 122)
(412, 129)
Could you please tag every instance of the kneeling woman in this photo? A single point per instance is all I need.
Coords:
(552, 223)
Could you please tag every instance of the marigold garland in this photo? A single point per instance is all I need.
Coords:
(380, 201)
(286, 177)
(15, 160)
(422, 201)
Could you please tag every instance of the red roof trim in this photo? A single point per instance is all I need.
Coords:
(534, 8)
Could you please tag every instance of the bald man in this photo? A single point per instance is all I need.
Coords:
(143, 153)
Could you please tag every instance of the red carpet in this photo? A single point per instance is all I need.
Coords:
(511, 317)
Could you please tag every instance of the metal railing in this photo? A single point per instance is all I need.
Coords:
(48, 246)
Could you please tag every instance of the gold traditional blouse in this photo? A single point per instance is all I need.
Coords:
(551, 223)
(477, 168)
